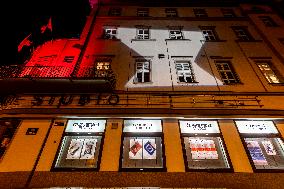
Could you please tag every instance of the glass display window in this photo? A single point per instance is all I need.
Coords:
(263, 144)
(203, 146)
(80, 148)
(142, 147)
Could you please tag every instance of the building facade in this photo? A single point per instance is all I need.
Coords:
(150, 96)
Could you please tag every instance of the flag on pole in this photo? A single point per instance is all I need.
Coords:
(25, 42)
(47, 26)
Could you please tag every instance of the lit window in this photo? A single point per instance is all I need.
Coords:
(143, 12)
(201, 13)
(114, 12)
(226, 72)
(185, 72)
(242, 33)
(268, 72)
(110, 33)
(103, 65)
(171, 12)
(209, 33)
(268, 21)
(228, 13)
(175, 33)
(143, 33)
(142, 71)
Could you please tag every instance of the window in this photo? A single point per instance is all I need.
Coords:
(268, 21)
(142, 145)
(110, 33)
(209, 33)
(114, 12)
(175, 33)
(142, 71)
(242, 33)
(226, 72)
(201, 13)
(68, 59)
(143, 33)
(81, 145)
(185, 72)
(228, 13)
(103, 65)
(171, 12)
(263, 144)
(143, 12)
(268, 71)
(203, 146)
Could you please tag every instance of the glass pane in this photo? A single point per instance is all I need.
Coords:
(205, 153)
(266, 153)
(79, 152)
(142, 152)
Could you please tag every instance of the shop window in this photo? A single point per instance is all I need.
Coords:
(200, 13)
(203, 146)
(228, 13)
(142, 148)
(263, 144)
(185, 72)
(114, 11)
(81, 145)
(142, 71)
(171, 12)
(242, 33)
(143, 12)
(226, 71)
(268, 21)
(209, 33)
(268, 71)
(110, 33)
(7, 131)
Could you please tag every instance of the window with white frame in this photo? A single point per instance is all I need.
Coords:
(228, 13)
(265, 66)
(268, 21)
(242, 33)
(142, 71)
(114, 11)
(209, 33)
(110, 33)
(143, 12)
(226, 71)
(185, 72)
(143, 33)
(201, 13)
(175, 33)
(171, 12)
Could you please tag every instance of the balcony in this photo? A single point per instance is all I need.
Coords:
(55, 79)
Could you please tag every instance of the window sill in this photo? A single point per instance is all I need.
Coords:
(143, 40)
(148, 83)
(177, 40)
(249, 41)
(108, 39)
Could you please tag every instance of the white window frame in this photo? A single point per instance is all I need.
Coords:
(142, 67)
(267, 70)
(184, 70)
(143, 33)
(209, 34)
(171, 12)
(175, 33)
(110, 33)
(142, 12)
(226, 71)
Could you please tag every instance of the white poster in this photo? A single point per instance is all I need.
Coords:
(145, 126)
(256, 152)
(85, 126)
(255, 127)
(135, 150)
(149, 149)
(202, 149)
(269, 148)
(75, 149)
(89, 149)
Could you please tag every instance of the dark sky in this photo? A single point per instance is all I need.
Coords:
(27, 16)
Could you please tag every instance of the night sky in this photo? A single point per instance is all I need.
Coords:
(27, 16)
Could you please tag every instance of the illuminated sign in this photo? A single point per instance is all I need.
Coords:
(144, 126)
(85, 126)
(258, 127)
(199, 127)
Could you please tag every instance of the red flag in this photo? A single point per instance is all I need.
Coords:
(25, 42)
(47, 26)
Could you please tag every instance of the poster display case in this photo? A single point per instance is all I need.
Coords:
(263, 144)
(203, 146)
(142, 147)
(81, 145)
